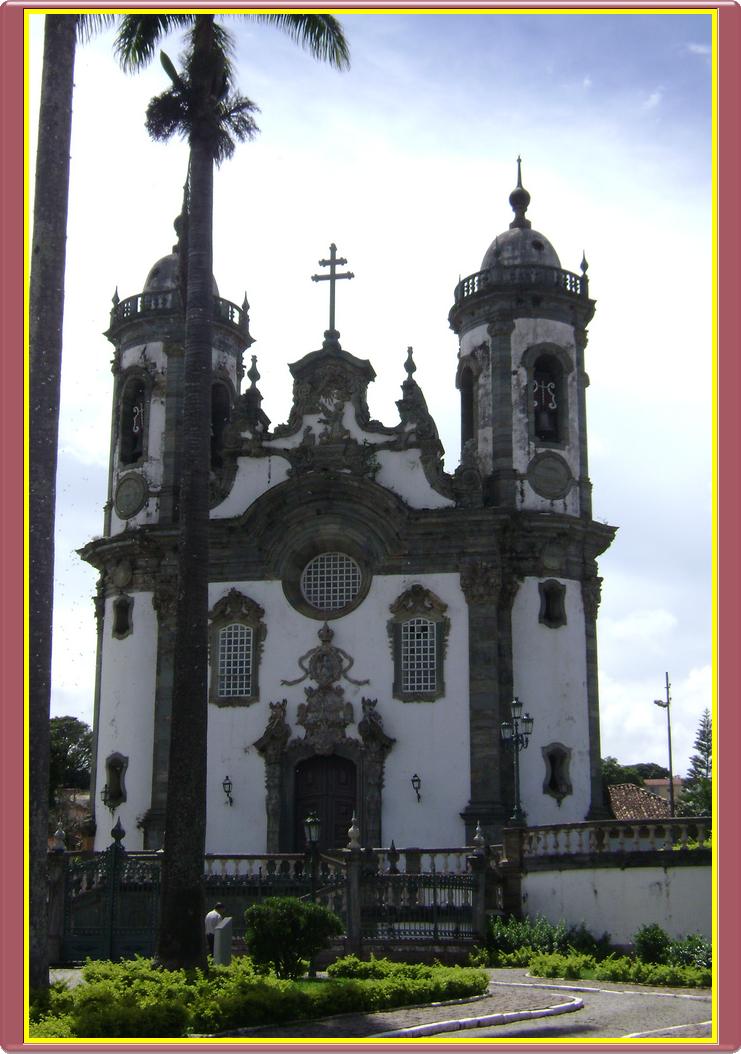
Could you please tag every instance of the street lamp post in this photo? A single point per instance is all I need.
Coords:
(666, 705)
(312, 829)
(515, 735)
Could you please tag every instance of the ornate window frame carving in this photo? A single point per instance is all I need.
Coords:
(559, 362)
(418, 602)
(115, 773)
(122, 622)
(552, 603)
(557, 782)
(235, 609)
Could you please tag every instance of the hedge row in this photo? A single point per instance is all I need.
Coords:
(134, 999)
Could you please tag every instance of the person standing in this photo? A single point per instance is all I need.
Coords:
(213, 918)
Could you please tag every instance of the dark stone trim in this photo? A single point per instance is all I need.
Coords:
(598, 808)
(622, 861)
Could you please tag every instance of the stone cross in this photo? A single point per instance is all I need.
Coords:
(332, 263)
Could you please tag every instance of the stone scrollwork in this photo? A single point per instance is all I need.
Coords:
(591, 591)
(326, 663)
(481, 582)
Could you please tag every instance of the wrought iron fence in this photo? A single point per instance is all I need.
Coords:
(417, 906)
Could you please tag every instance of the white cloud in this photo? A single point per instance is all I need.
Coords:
(587, 82)
(653, 100)
(699, 49)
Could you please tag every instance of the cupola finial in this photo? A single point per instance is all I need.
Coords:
(519, 199)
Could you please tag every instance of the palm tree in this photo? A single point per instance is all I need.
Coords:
(46, 312)
(201, 106)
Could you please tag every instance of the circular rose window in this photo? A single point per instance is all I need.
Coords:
(330, 581)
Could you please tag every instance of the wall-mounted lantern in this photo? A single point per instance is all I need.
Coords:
(416, 783)
(227, 785)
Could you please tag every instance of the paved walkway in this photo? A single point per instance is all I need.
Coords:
(497, 1007)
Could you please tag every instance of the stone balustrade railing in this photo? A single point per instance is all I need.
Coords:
(615, 836)
(505, 277)
(147, 304)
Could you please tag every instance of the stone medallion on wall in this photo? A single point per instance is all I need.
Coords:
(550, 476)
(131, 493)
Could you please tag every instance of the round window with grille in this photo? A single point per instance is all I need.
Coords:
(331, 581)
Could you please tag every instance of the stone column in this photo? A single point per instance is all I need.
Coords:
(481, 583)
(591, 591)
(503, 472)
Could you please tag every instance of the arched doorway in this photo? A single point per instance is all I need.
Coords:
(328, 787)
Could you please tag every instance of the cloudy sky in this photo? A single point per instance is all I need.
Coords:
(406, 162)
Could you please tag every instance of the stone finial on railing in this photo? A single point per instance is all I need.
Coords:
(353, 834)
(59, 844)
(478, 839)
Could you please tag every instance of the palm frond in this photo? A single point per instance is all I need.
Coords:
(89, 25)
(235, 124)
(167, 115)
(138, 36)
(321, 35)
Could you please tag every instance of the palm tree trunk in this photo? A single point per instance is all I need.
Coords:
(182, 941)
(48, 256)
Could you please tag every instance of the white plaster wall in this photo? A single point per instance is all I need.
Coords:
(126, 717)
(402, 472)
(619, 900)
(432, 739)
(255, 476)
(155, 352)
(550, 679)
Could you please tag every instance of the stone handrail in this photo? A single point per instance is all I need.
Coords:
(611, 836)
(504, 277)
(168, 302)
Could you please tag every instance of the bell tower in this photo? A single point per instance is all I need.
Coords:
(136, 557)
(521, 322)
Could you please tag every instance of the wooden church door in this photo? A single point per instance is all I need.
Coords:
(326, 786)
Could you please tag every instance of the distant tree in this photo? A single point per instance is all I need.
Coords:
(71, 743)
(697, 794)
(649, 770)
(613, 773)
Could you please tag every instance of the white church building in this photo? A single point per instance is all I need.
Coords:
(372, 616)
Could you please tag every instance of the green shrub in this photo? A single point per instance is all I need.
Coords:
(571, 966)
(52, 1027)
(101, 1011)
(512, 941)
(651, 944)
(693, 950)
(283, 933)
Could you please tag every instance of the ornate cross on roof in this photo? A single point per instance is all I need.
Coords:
(332, 263)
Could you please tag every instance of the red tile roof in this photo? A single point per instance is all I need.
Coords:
(629, 802)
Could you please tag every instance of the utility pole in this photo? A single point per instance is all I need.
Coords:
(666, 705)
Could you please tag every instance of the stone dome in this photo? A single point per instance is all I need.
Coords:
(520, 244)
(165, 275)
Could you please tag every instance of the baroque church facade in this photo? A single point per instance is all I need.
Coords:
(371, 615)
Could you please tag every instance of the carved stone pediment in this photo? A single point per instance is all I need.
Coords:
(325, 715)
(326, 663)
(417, 600)
(236, 605)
